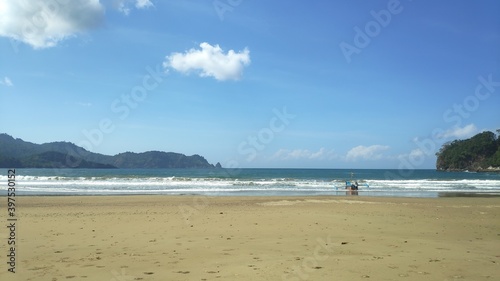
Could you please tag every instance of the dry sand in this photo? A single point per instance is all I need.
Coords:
(254, 238)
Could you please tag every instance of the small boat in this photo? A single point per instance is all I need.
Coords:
(351, 185)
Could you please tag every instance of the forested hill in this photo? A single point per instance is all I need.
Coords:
(17, 153)
(479, 153)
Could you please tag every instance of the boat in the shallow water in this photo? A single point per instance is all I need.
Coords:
(353, 185)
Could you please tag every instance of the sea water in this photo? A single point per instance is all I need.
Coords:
(251, 182)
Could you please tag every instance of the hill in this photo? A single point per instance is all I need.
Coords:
(53, 159)
(479, 153)
(17, 153)
(159, 159)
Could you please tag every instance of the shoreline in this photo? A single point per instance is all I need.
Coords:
(255, 238)
(472, 170)
(251, 182)
(337, 193)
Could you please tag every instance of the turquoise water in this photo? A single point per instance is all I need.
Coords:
(249, 182)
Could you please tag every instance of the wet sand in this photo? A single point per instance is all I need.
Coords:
(254, 238)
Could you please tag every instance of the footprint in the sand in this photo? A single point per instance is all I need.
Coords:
(253, 266)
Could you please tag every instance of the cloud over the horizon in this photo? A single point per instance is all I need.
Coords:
(372, 152)
(286, 154)
(459, 132)
(44, 23)
(210, 61)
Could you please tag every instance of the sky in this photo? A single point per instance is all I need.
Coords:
(253, 84)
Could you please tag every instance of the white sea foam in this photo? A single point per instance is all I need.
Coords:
(250, 182)
(126, 185)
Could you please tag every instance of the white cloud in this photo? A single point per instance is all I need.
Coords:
(286, 154)
(460, 133)
(142, 4)
(417, 153)
(372, 152)
(124, 5)
(44, 23)
(210, 61)
(6, 81)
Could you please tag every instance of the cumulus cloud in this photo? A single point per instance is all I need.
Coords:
(417, 153)
(44, 23)
(6, 81)
(286, 154)
(124, 5)
(461, 133)
(372, 152)
(141, 4)
(210, 61)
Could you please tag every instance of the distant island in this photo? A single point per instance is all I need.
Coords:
(481, 153)
(17, 153)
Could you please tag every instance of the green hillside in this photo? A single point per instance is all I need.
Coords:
(17, 153)
(479, 153)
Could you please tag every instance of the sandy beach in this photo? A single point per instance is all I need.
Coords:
(254, 238)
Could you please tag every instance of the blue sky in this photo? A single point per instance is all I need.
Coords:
(323, 84)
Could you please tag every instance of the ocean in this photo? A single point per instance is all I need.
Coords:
(251, 182)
